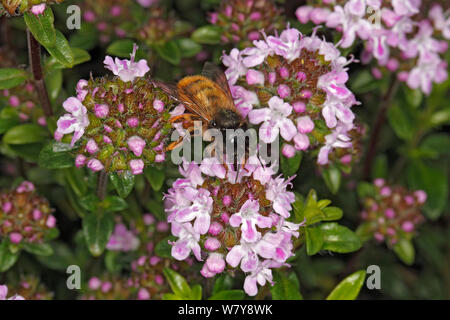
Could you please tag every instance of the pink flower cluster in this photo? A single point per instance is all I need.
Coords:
(127, 119)
(392, 212)
(25, 217)
(294, 86)
(241, 20)
(25, 103)
(395, 33)
(107, 16)
(232, 221)
(122, 239)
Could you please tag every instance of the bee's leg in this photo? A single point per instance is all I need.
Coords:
(186, 117)
(174, 144)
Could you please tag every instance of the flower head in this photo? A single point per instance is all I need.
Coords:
(397, 34)
(392, 213)
(294, 86)
(228, 221)
(121, 122)
(241, 20)
(25, 217)
(122, 239)
(107, 17)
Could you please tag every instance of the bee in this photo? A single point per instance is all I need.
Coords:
(207, 97)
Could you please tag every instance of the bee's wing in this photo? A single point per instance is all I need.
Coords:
(213, 72)
(171, 90)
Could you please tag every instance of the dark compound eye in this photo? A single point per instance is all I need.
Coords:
(213, 123)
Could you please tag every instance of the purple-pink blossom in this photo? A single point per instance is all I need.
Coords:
(127, 70)
(75, 121)
(122, 239)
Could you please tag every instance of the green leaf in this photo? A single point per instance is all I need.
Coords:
(7, 258)
(41, 26)
(155, 177)
(29, 151)
(348, 289)
(413, 96)
(313, 214)
(163, 249)
(75, 178)
(56, 155)
(314, 240)
(178, 284)
(365, 231)
(53, 83)
(25, 133)
(188, 47)
(10, 78)
(332, 177)
(171, 296)
(440, 117)
(89, 202)
(436, 144)
(228, 295)
(402, 120)
(123, 48)
(332, 213)
(207, 34)
(39, 249)
(405, 251)
(6, 124)
(196, 292)
(114, 203)
(289, 166)
(97, 230)
(79, 56)
(60, 259)
(169, 51)
(434, 182)
(111, 261)
(62, 51)
(285, 287)
(123, 182)
(338, 238)
(51, 234)
(223, 283)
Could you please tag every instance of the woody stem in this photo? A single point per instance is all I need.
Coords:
(102, 184)
(34, 54)
(381, 117)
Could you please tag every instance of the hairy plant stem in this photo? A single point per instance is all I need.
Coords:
(34, 55)
(102, 184)
(380, 119)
